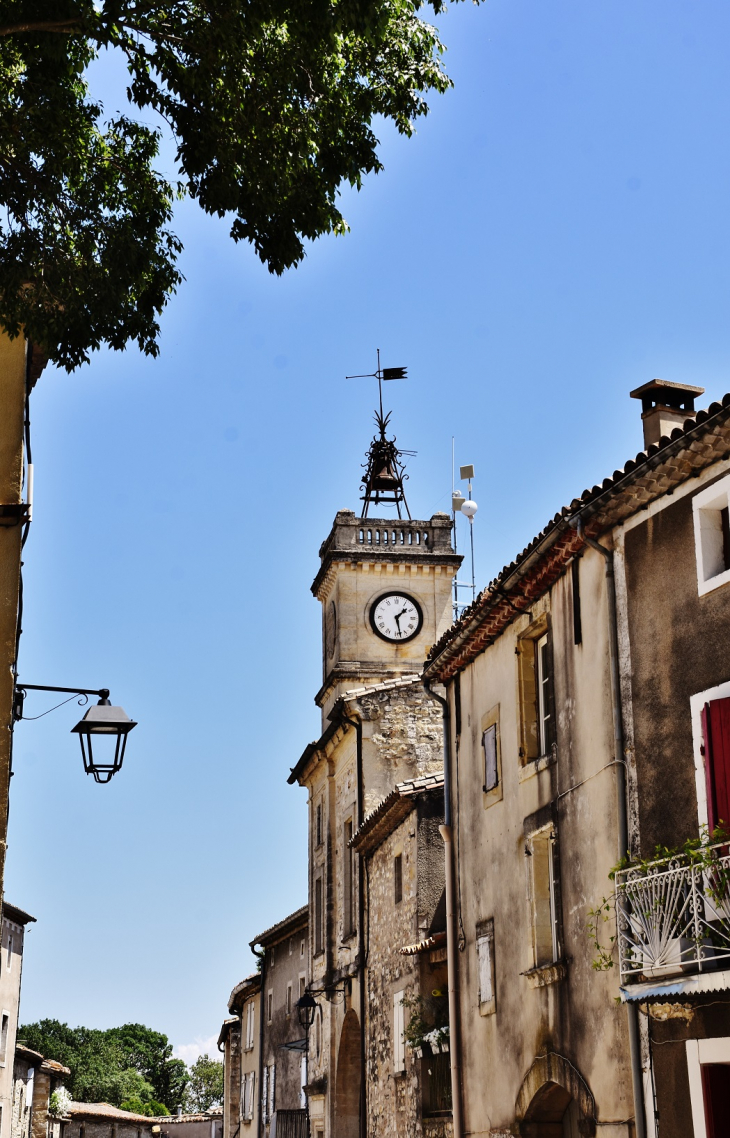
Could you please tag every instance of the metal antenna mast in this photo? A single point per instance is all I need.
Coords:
(468, 507)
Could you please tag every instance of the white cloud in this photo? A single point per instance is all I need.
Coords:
(192, 1051)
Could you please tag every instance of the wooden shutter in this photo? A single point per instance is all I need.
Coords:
(484, 955)
(716, 731)
(399, 1046)
(489, 744)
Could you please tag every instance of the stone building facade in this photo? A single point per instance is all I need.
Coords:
(284, 954)
(586, 723)
(380, 727)
(240, 1040)
(100, 1120)
(405, 973)
(12, 939)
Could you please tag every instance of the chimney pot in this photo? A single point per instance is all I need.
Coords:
(664, 406)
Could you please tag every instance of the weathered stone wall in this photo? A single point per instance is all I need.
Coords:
(109, 1128)
(402, 738)
(395, 1100)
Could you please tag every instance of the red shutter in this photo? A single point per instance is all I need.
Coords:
(716, 1094)
(716, 730)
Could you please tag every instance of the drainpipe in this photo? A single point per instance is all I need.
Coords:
(262, 1008)
(637, 1074)
(451, 941)
(360, 926)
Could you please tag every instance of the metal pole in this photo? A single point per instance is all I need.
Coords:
(471, 538)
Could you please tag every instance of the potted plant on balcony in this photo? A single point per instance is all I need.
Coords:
(417, 1028)
(438, 1040)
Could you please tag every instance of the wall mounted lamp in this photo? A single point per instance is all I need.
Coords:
(102, 732)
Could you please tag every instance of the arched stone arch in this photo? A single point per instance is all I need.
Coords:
(347, 1086)
(545, 1095)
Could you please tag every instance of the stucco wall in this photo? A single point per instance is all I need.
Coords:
(679, 646)
(575, 1015)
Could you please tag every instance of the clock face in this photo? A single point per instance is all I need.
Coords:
(396, 617)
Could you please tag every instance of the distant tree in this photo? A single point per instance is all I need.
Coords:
(151, 1109)
(115, 1066)
(205, 1088)
(150, 1053)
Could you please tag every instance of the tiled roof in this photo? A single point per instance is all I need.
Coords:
(434, 941)
(282, 928)
(53, 1068)
(13, 913)
(386, 685)
(383, 818)
(654, 472)
(246, 987)
(176, 1119)
(105, 1110)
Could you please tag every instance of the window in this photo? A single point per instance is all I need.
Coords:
(542, 856)
(318, 938)
(318, 1035)
(399, 1046)
(291, 945)
(545, 732)
(318, 824)
(347, 896)
(537, 719)
(288, 999)
(270, 1005)
(712, 535)
(708, 1067)
(4, 1038)
(491, 768)
(265, 1095)
(272, 958)
(485, 963)
(716, 735)
(302, 948)
(302, 984)
(9, 961)
(398, 878)
(272, 1090)
(249, 1085)
(303, 1081)
(250, 1024)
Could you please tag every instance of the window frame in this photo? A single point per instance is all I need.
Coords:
(484, 943)
(397, 878)
(701, 1052)
(399, 1043)
(318, 915)
(547, 897)
(712, 500)
(348, 878)
(536, 750)
(488, 721)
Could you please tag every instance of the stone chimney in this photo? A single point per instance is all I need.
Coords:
(664, 406)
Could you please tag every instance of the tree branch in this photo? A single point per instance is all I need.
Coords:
(65, 27)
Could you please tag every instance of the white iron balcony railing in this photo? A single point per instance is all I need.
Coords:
(673, 915)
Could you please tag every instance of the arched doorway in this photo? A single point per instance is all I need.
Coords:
(347, 1092)
(555, 1101)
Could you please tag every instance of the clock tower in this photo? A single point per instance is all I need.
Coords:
(386, 592)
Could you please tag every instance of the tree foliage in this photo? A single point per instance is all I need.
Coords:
(118, 1066)
(271, 104)
(205, 1088)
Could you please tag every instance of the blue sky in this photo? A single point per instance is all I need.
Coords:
(555, 235)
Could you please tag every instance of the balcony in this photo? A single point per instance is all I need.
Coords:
(673, 917)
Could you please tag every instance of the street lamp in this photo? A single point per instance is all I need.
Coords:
(103, 727)
(306, 1007)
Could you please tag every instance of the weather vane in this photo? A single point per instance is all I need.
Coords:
(384, 470)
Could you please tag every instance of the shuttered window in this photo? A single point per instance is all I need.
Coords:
(399, 1046)
(318, 939)
(716, 731)
(484, 952)
(491, 771)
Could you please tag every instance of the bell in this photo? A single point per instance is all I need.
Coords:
(385, 480)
